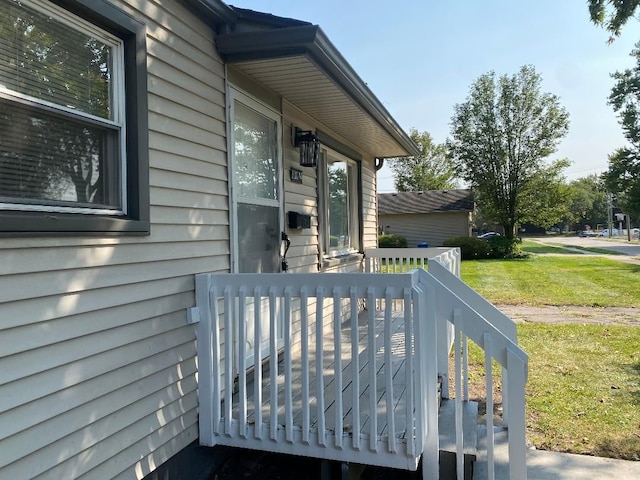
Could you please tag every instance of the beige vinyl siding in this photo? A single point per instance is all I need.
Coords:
(303, 256)
(369, 205)
(98, 363)
(433, 228)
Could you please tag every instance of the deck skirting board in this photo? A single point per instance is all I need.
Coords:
(347, 453)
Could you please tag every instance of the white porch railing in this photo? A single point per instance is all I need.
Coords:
(463, 314)
(348, 384)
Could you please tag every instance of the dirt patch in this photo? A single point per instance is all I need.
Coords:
(570, 314)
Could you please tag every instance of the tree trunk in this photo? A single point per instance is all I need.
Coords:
(509, 230)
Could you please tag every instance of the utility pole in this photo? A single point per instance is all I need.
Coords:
(610, 212)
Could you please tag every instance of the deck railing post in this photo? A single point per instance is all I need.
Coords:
(205, 349)
(242, 361)
(288, 374)
(229, 306)
(427, 327)
(517, 426)
(337, 366)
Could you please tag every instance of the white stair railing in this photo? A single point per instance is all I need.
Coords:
(463, 314)
(475, 319)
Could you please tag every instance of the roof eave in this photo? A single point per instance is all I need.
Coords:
(309, 40)
(214, 11)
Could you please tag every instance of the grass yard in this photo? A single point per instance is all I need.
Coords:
(601, 251)
(541, 248)
(555, 280)
(583, 393)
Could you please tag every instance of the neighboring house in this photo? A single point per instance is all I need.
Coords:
(432, 216)
(142, 142)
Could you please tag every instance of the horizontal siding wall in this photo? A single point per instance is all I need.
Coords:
(304, 254)
(98, 364)
(433, 228)
(369, 205)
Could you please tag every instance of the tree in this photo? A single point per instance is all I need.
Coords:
(501, 135)
(588, 204)
(623, 175)
(547, 195)
(612, 14)
(431, 170)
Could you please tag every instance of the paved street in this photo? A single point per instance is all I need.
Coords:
(614, 244)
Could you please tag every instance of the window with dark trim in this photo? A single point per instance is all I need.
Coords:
(340, 199)
(73, 129)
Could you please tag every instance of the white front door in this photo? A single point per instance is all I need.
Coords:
(256, 173)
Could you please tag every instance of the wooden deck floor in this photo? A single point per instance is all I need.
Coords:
(397, 400)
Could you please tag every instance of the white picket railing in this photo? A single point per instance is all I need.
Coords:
(350, 384)
(312, 396)
(461, 311)
(397, 260)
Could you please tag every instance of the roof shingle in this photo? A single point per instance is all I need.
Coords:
(430, 201)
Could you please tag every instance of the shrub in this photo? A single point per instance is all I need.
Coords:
(503, 247)
(392, 241)
(471, 248)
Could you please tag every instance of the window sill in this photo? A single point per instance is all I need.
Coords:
(41, 224)
(333, 262)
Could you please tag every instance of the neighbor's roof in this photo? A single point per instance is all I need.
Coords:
(296, 60)
(430, 201)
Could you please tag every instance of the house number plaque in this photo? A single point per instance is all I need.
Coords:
(295, 175)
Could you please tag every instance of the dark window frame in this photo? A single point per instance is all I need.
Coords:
(136, 220)
(354, 163)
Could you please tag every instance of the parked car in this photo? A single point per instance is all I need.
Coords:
(587, 233)
(488, 235)
(605, 232)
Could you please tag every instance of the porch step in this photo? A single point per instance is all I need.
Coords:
(447, 429)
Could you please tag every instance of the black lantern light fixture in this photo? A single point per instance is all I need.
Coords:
(309, 146)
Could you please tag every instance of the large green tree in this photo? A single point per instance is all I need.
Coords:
(588, 204)
(612, 14)
(623, 175)
(431, 170)
(547, 197)
(501, 136)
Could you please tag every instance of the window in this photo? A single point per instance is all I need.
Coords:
(73, 150)
(341, 204)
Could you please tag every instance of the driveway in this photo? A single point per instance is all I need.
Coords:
(614, 244)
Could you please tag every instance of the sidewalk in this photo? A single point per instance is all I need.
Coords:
(545, 465)
(542, 465)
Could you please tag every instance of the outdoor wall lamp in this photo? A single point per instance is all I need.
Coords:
(309, 146)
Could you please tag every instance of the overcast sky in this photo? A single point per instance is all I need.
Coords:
(420, 57)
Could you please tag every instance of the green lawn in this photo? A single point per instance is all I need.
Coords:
(555, 280)
(602, 251)
(583, 393)
(540, 248)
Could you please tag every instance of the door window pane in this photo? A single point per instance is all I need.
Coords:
(258, 239)
(255, 154)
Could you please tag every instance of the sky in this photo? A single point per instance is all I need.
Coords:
(420, 57)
